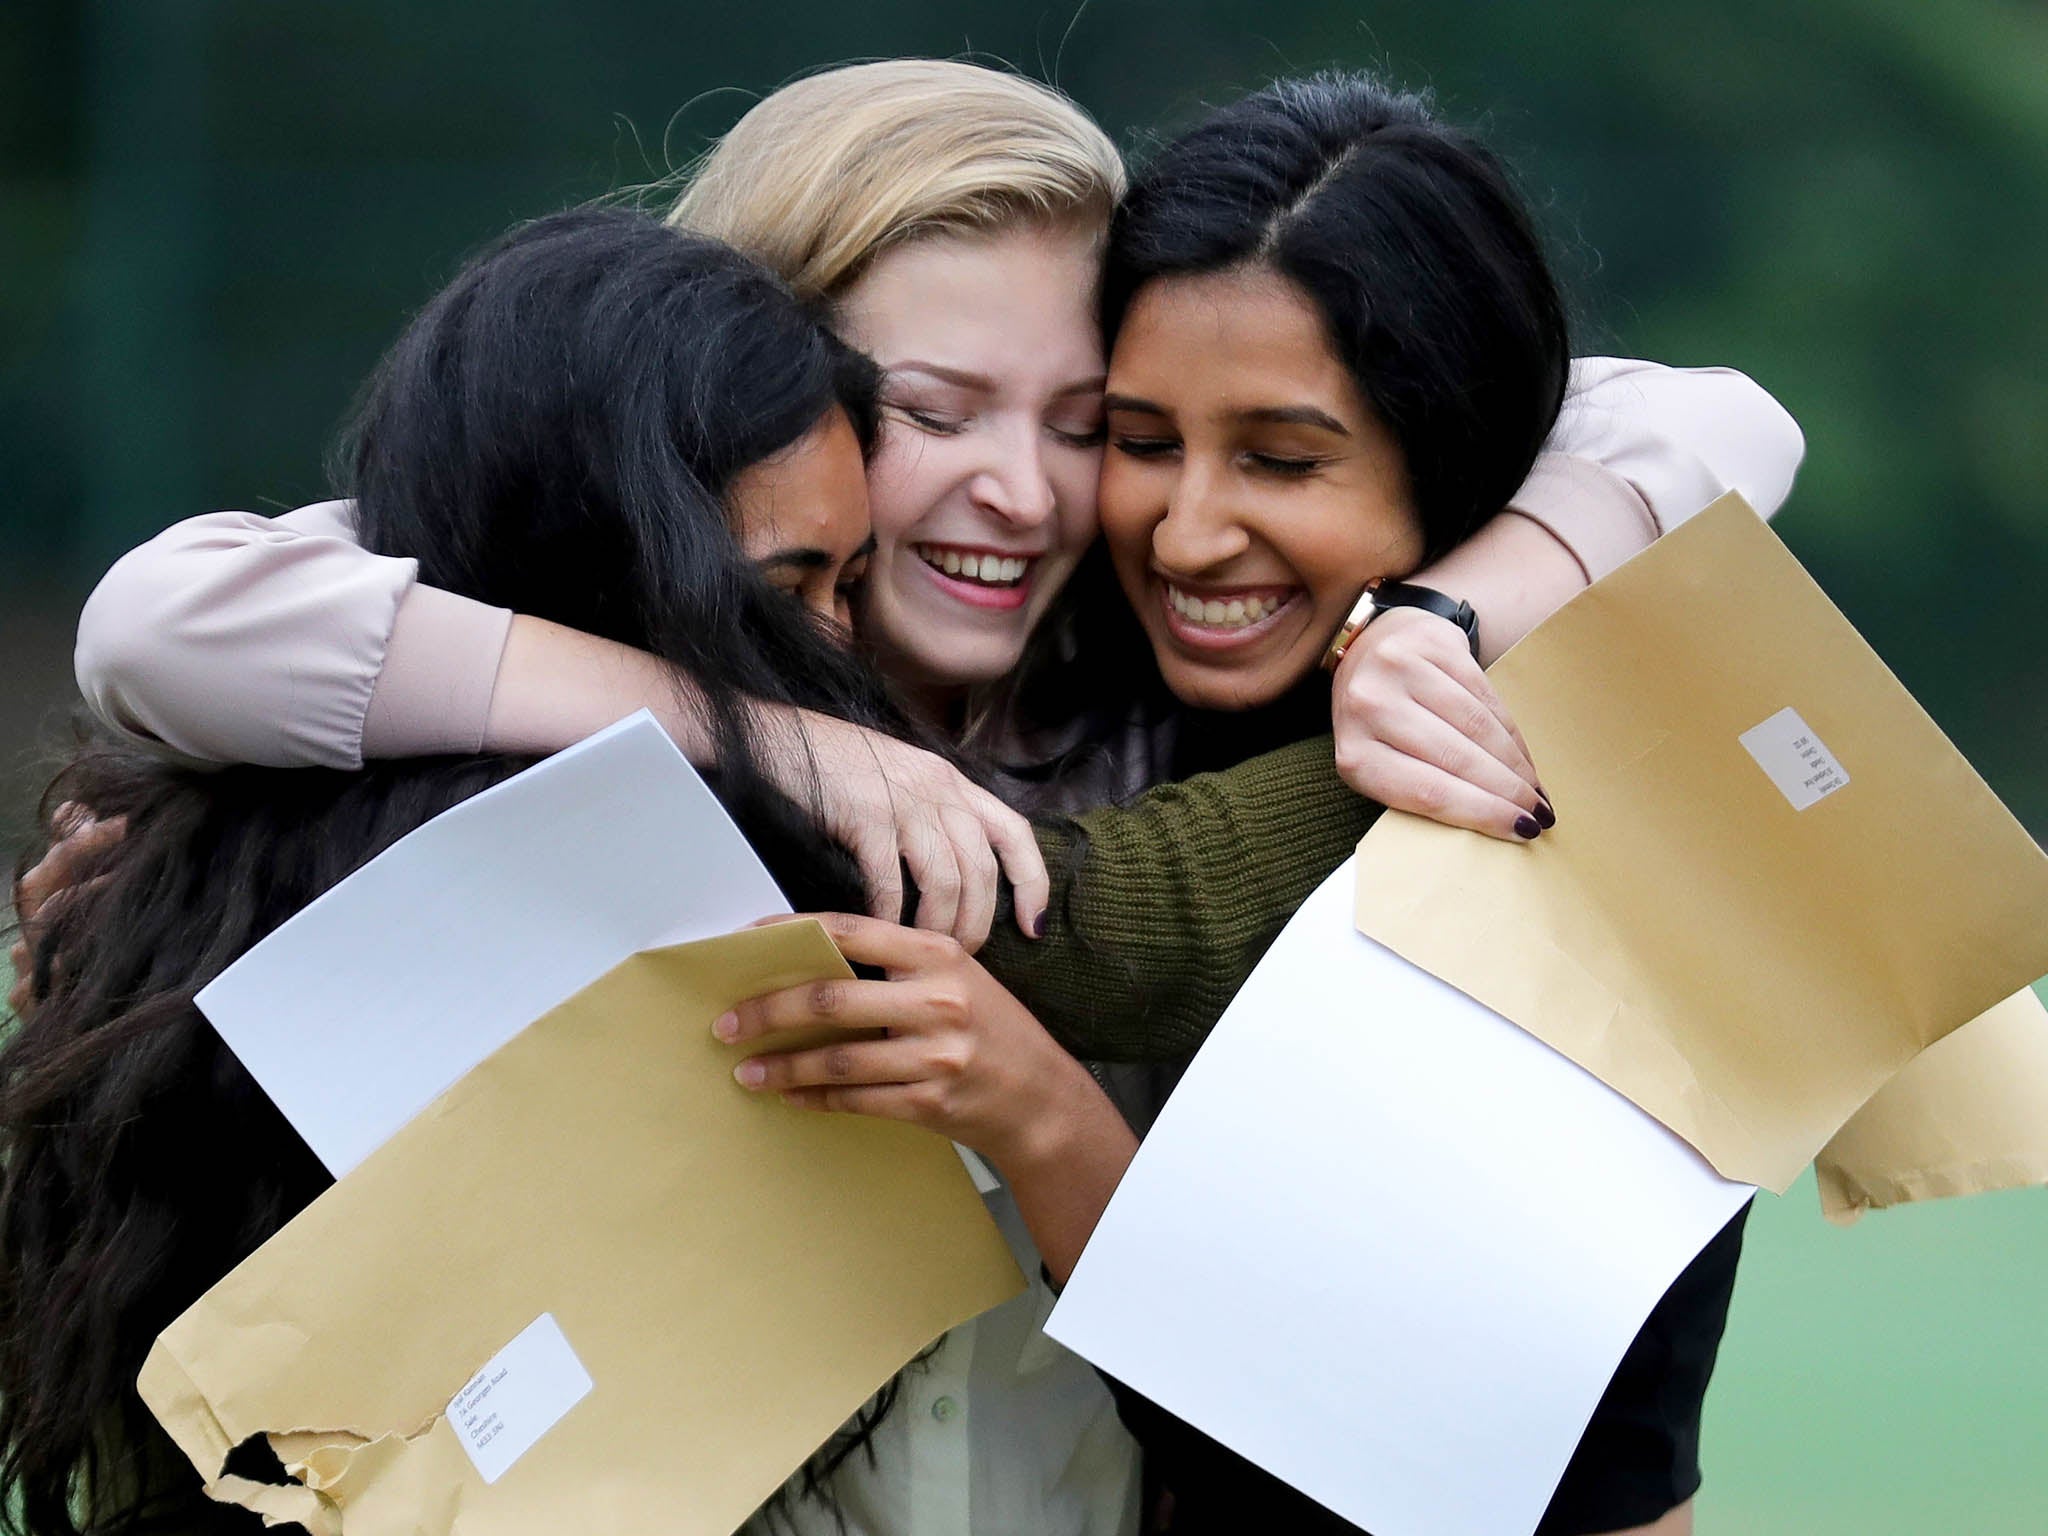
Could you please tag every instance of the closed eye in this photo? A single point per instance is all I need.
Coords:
(929, 421)
(1144, 447)
(1283, 465)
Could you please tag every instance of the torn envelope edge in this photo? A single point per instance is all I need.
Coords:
(1967, 1116)
(208, 1410)
(187, 1415)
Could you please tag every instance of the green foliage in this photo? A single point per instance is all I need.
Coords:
(217, 213)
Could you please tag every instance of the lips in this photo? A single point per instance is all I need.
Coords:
(987, 568)
(979, 578)
(1221, 618)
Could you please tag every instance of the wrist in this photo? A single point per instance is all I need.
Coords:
(1073, 1117)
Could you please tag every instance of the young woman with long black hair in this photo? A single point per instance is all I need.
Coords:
(633, 430)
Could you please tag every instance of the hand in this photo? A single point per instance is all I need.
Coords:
(959, 1055)
(1420, 729)
(892, 804)
(81, 840)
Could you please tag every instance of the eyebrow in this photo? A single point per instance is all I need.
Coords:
(1276, 415)
(811, 558)
(963, 379)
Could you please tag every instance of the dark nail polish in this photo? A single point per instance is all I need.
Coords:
(1545, 814)
(1039, 924)
(1526, 827)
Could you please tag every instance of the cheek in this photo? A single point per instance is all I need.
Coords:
(907, 478)
(1343, 540)
(1125, 512)
(1075, 483)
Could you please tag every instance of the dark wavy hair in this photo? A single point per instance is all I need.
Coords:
(1412, 240)
(554, 432)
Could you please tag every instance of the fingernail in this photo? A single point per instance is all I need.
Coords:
(750, 1074)
(1526, 827)
(1545, 814)
(726, 1026)
(1039, 924)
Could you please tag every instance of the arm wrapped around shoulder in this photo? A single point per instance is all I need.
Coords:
(1161, 907)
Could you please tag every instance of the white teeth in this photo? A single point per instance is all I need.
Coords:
(992, 570)
(1230, 613)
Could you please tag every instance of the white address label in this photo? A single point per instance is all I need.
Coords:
(517, 1397)
(1795, 759)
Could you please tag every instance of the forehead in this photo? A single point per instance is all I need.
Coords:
(812, 495)
(1022, 297)
(1223, 341)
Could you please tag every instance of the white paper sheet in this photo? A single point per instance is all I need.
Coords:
(1384, 1243)
(356, 1014)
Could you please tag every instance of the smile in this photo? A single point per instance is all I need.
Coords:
(979, 578)
(1224, 617)
(982, 567)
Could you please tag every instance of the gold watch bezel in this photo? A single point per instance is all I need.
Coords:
(1362, 613)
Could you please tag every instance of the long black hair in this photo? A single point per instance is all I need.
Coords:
(557, 431)
(554, 432)
(1412, 240)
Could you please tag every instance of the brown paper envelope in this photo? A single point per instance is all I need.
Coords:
(1966, 1116)
(735, 1276)
(1747, 972)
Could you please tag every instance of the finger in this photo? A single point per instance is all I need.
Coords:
(889, 946)
(979, 877)
(66, 860)
(843, 1062)
(1445, 701)
(1417, 733)
(1405, 783)
(1462, 670)
(881, 872)
(1016, 847)
(836, 1003)
(906, 1102)
(18, 995)
(937, 873)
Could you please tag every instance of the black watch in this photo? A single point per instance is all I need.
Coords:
(1383, 594)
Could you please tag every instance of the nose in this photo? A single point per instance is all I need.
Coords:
(1013, 484)
(1200, 530)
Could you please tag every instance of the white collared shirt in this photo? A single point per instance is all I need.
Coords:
(998, 1431)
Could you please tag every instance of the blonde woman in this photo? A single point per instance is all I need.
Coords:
(953, 216)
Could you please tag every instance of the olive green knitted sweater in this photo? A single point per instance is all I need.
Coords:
(1161, 907)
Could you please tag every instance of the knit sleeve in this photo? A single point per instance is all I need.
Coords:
(1161, 907)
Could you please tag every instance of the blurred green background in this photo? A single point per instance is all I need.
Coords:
(215, 213)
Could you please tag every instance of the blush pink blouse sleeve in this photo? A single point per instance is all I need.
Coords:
(1639, 448)
(238, 638)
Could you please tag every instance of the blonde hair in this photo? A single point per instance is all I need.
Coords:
(824, 175)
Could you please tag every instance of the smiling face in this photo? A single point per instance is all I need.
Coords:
(1249, 492)
(802, 517)
(983, 484)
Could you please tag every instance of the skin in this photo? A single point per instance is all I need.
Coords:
(802, 517)
(991, 444)
(1246, 474)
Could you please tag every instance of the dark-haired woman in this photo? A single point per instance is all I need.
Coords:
(1337, 348)
(612, 424)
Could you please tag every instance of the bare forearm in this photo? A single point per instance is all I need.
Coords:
(1514, 572)
(556, 686)
(1063, 1181)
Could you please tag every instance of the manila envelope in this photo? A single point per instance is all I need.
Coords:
(1773, 881)
(1967, 1115)
(696, 1285)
